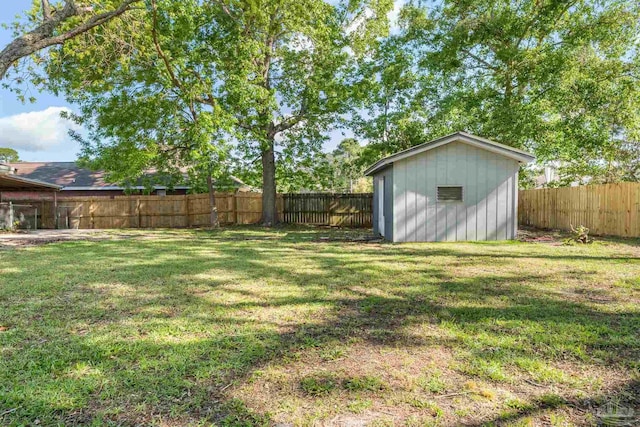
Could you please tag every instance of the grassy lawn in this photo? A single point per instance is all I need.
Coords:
(252, 327)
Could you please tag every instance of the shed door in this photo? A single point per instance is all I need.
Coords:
(381, 205)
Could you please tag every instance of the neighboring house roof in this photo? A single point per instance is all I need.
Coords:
(12, 182)
(69, 176)
(505, 150)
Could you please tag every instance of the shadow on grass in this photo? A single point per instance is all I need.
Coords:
(617, 408)
(137, 331)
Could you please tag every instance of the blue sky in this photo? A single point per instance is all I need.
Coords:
(36, 130)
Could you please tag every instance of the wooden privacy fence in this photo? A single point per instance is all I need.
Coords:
(341, 210)
(191, 210)
(347, 210)
(608, 209)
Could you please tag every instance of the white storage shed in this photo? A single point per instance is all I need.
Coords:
(455, 188)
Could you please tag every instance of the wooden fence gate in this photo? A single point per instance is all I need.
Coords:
(336, 210)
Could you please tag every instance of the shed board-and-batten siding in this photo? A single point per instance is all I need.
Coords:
(489, 207)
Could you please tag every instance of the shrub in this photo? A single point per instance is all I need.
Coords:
(579, 234)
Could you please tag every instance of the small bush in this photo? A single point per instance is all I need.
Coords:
(579, 234)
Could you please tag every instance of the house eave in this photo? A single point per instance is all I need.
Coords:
(18, 183)
(117, 188)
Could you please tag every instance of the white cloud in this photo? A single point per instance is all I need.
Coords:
(37, 130)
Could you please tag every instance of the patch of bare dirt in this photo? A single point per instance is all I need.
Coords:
(43, 237)
(535, 235)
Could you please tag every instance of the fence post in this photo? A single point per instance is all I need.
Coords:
(92, 220)
(187, 209)
(332, 208)
(139, 213)
(234, 208)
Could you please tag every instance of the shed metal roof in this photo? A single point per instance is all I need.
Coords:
(486, 144)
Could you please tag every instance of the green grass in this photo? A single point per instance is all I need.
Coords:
(317, 385)
(246, 326)
(364, 383)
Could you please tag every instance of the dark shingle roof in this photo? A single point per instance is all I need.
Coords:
(66, 174)
(70, 176)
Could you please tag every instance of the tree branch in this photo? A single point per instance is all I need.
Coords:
(208, 98)
(290, 122)
(159, 51)
(225, 9)
(478, 59)
(44, 35)
(46, 10)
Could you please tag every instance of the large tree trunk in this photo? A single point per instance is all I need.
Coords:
(269, 212)
(215, 223)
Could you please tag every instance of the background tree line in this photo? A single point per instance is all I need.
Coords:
(252, 87)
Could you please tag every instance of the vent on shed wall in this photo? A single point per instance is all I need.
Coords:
(449, 194)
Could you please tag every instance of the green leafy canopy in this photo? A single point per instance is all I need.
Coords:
(8, 155)
(253, 86)
(182, 83)
(560, 78)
